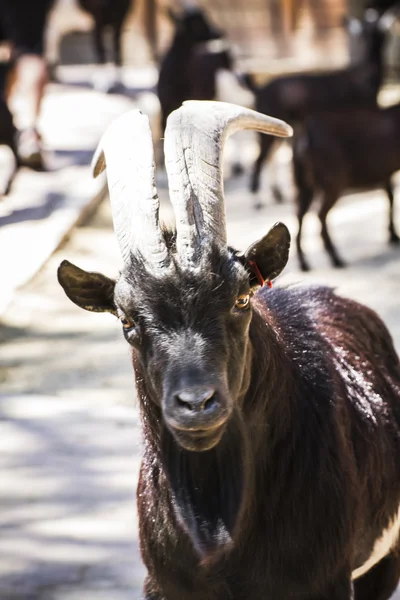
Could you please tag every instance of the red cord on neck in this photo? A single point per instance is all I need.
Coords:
(257, 273)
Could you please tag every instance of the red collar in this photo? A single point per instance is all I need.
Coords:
(260, 278)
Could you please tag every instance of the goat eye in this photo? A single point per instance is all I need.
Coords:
(242, 301)
(127, 324)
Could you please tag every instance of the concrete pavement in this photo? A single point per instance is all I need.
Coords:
(70, 442)
(42, 208)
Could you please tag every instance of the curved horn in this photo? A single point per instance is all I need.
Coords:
(194, 139)
(126, 149)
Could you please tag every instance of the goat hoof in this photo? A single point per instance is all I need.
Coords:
(254, 187)
(394, 238)
(237, 169)
(278, 196)
(304, 266)
(338, 263)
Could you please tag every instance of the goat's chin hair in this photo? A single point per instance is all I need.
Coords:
(208, 489)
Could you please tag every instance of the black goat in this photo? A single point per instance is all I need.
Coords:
(107, 13)
(339, 152)
(271, 423)
(295, 97)
(189, 68)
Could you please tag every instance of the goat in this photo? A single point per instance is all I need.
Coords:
(294, 97)
(107, 13)
(337, 152)
(271, 422)
(189, 68)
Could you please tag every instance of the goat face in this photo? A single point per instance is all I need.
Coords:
(367, 35)
(188, 328)
(184, 303)
(194, 26)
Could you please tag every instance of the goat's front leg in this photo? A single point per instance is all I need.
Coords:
(99, 42)
(393, 237)
(266, 143)
(117, 33)
(304, 199)
(328, 200)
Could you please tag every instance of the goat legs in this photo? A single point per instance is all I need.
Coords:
(99, 42)
(393, 237)
(117, 32)
(266, 143)
(304, 200)
(328, 201)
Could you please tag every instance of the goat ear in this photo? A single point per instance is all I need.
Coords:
(268, 257)
(91, 291)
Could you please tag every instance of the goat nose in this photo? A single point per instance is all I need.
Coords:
(196, 398)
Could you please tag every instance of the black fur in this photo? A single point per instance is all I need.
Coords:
(294, 97)
(107, 13)
(333, 153)
(188, 69)
(306, 475)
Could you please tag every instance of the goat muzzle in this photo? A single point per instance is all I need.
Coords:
(196, 415)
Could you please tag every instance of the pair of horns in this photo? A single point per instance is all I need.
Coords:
(194, 139)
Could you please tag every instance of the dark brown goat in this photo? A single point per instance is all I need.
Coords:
(338, 152)
(271, 422)
(295, 97)
(107, 13)
(188, 69)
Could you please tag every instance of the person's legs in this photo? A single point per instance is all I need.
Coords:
(29, 78)
(24, 23)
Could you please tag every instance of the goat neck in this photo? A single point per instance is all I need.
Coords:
(194, 141)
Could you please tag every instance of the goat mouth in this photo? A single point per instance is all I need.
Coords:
(198, 440)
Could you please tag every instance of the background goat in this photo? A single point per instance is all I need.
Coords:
(271, 424)
(295, 97)
(338, 152)
(189, 68)
(107, 13)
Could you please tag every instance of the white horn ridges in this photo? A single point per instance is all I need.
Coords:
(126, 151)
(194, 139)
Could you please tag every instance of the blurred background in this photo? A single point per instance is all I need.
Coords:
(69, 433)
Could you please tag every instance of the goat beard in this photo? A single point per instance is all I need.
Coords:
(208, 489)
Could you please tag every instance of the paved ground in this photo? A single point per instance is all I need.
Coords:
(43, 207)
(69, 437)
(70, 442)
